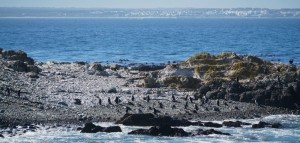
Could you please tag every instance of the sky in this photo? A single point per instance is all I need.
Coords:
(274, 4)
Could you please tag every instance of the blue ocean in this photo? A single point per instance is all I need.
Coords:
(155, 40)
(150, 40)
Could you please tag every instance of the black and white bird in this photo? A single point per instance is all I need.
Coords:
(108, 100)
(196, 107)
(161, 105)
(218, 102)
(117, 100)
(148, 98)
(155, 111)
(132, 98)
(100, 101)
(128, 109)
(186, 105)
(173, 98)
(191, 100)
(291, 61)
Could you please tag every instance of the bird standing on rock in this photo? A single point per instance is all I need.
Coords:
(173, 98)
(100, 101)
(19, 93)
(161, 105)
(127, 109)
(186, 105)
(186, 97)
(117, 100)
(148, 98)
(132, 98)
(191, 99)
(196, 107)
(291, 61)
(155, 111)
(108, 100)
(218, 102)
(8, 91)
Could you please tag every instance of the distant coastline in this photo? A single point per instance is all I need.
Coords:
(48, 12)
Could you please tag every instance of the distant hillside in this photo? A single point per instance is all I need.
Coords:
(160, 13)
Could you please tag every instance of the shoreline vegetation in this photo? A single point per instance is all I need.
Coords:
(205, 87)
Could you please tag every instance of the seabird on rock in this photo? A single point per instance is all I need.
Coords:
(140, 111)
(100, 101)
(196, 107)
(155, 111)
(117, 100)
(8, 91)
(173, 107)
(148, 98)
(218, 102)
(186, 97)
(132, 98)
(237, 79)
(225, 104)
(291, 61)
(161, 105)
(186, 105)
(19, 93)
(191, 99)
(108, 100)
(127, 109)
(173, 98)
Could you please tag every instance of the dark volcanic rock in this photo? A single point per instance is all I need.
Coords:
(1, 136)
(112, 90)
(150, 120)
(246, 97)
(112, 129)
(91, 128)
(161, 131)
(264, 124)
(211, 131)
(204, 89)
(235, 87)
(232, 124)
(211, 124)
(212, 94)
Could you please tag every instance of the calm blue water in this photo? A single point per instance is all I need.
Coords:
(150, 40)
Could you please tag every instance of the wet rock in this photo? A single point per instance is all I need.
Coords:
(112, 90)
(232, 96)
(112, 129)
(261, 95)
(101, 73)
(211, 124)
(232, 124)
(1, 136)
(204, 89)
(161, 131)
(150, 120)
(32, 75)
(180, 82)
(211, 131)
(18, 66)
(91, 128)
(264, 124)
(17, 56)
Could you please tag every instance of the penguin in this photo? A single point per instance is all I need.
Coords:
(140, 111)
(148, 98)
(186, 97)
(128, 109)
(218, 102)
(117, 100)
(237, 79)
(173, 107)
(8, 91)
(191, 99)
(161, 105)
(173, 98)
(108, 100)
(196, 107)
(132, 98)
(19, 93)
(186, 105)
(291, 61)
(155, 111)
(100, 101)
(225, 104)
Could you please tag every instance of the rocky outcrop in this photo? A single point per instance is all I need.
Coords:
(209, 132)
(264, 124)
(19, 61)
(211, 124)
(161, 131)
(150, 120)
(92, 128)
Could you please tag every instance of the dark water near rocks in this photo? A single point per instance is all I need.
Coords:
(150, 40)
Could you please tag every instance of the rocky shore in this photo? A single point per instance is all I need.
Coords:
(205, 87)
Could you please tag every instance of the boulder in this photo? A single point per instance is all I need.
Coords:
(91, 128)
(149, 119)
(161, 131)
(211, 124)
(115, 67)
(17, 56)
(232, 124)
(211, 131)
(212, 94)
(235, 87)
(18, 66)
(62, 103)
(204, 89)
(264, 124)
(149, 82)
(232, 96)
(95, 67)
(112, 129)
(180, 82)
(246, 97)
(112, 90)
(261, 95)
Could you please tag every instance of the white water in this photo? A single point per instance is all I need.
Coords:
(290, 132)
